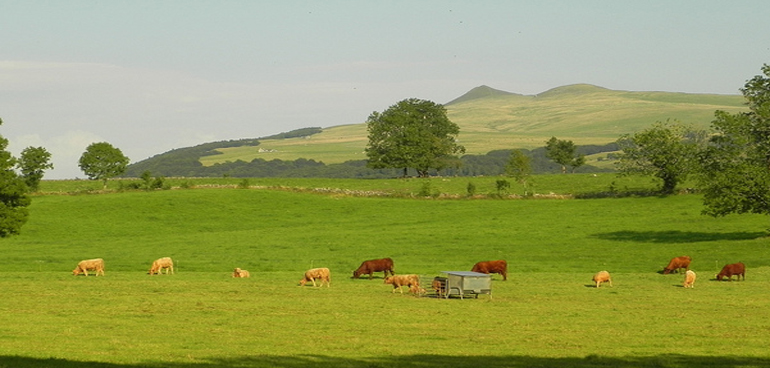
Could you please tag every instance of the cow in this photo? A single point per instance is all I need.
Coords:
(237, 272)
(375, 265)
(320, 274)
(499, 267)
(160, 264)
(439, 286)
(601, 277)
(735, 269)
(411, 281)
(96, 264)
(676, 264)
(689, 279)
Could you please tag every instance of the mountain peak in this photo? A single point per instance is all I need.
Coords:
(480, 92)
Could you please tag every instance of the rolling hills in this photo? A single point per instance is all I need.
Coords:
(491, 119)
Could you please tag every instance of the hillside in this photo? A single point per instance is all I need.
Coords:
(491, 119)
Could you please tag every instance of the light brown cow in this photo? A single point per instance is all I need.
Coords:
(160, 264)
(241, 273)
(601, 277)
(412, 281)
(677, 263)
(689, 279)
(96, 264)
(321, 274)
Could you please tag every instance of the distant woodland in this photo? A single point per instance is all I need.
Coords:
(185, 162)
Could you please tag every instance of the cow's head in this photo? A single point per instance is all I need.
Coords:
(76, 271)
(356, 274)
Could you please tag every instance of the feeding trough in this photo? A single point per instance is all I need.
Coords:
(464, 283)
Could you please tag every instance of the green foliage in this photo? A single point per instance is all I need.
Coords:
(413, 133)
(32, 164)
(666, 150)
(102, 161)
(735, 167)
(471, 189)
(519, 168)
(503, 186)
(564, 153)
(13, 194)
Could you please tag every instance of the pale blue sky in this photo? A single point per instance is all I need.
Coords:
(150, 76)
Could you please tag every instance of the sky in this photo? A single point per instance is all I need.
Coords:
(152, 76)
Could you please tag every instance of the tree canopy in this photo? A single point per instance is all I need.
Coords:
(413, 133)
(564, 153)
(665, 150)
(102, 161)
(32, 164)
(13, 194)
(735, 166)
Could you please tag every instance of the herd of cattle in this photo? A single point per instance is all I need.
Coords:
(412, 282)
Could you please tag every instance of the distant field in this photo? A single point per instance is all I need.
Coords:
(581, 113)
(546, 314)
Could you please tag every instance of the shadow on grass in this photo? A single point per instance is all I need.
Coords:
(675, 236)
(422, 361)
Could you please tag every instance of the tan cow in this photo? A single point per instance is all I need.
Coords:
(241, 273)
(162, 263)
(601, 277)
(96, 264)
(411, 281)
(321, 274)
(689, 279)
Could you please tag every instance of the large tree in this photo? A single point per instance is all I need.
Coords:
(735, 167)
(33, 163)
(564, 153)
(414, 134)
(13, 194)
(102, 161)
(666, 150)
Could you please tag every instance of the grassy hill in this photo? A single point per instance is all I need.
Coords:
(490, 119)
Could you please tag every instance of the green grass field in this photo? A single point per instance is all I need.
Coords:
(546, 315)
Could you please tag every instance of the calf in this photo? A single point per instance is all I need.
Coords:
(499, 267)
(96, 264)
(240, 273)
(411, 281)
(439, 286)
(320, 274)
(737, 269)
(601, 277)
(160, 264)
(676, 264)
(371, 266)
(689, 279)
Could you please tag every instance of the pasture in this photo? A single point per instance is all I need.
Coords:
(547, 314)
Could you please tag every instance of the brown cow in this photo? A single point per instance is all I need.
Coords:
(602, 276)
(320, 274)
(689, 279)
(737, 269)
(96, 264)
(160, 264)
(411, 281)
(439, 286)
(240, 273)
(499, 267)
(375, 265)
(676, 264)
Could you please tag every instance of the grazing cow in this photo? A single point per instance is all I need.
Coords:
(411, 281)
(439, 286)
(96, 264)
(375, 265)
(689, 279)
(320, 274)
(160, 264)
(499, 267)
(676, 264)
(602, 276)
(737, 269)
(240, 273)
